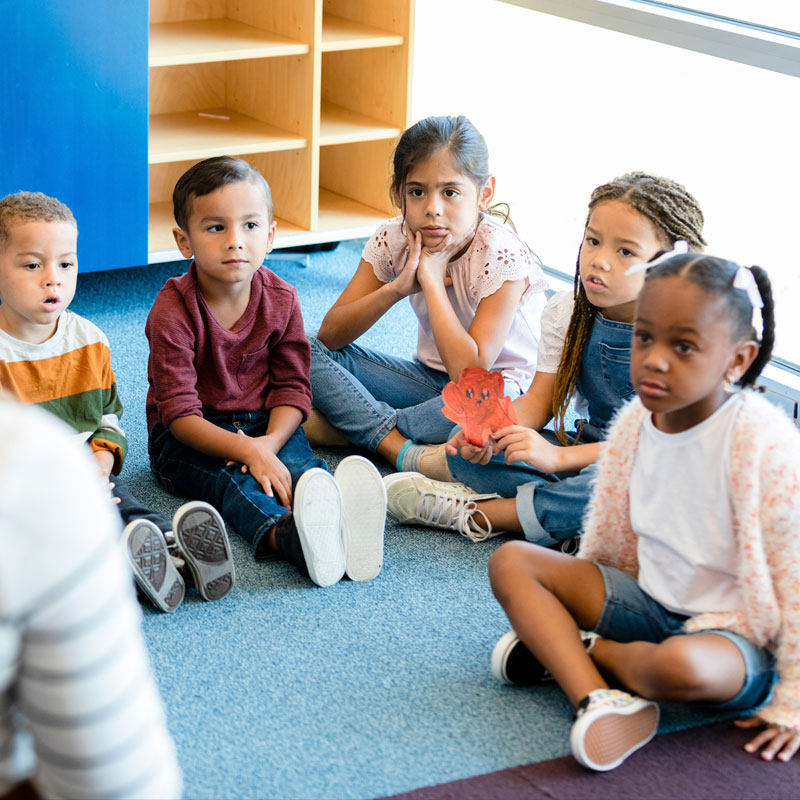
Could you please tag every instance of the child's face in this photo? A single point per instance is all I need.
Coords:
(38, 272)
(229, 234)
(617, 236)
(683, 353)
(439, 200)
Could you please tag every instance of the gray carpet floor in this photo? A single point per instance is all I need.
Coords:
(287, 690)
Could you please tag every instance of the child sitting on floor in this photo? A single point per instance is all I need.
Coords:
(54, 358)
(475, 286)
(525, 481)
(229, 387)
(688, 575)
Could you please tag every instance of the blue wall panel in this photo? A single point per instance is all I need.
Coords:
(73, 117)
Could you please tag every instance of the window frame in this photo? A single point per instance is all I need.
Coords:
(743, 42)
(758, 46)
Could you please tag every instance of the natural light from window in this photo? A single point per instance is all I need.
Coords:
(565, 106)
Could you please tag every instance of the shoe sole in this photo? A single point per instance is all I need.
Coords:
(317, 516)
(200, 533)
(155, 574)
(363, 517)
(608, 736)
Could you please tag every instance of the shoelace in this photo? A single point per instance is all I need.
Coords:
(455, 513)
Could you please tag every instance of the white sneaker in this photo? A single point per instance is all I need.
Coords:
(317, 517)
(611, 725)
(363, 516)
(413, 498)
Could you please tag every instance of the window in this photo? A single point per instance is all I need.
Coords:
(565, 106)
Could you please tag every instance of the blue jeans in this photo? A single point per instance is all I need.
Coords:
(365, 394)
(631, 615)
(238, 496)
(130, 508)
(550, 507)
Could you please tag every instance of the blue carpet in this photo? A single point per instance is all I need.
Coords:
(286, 690)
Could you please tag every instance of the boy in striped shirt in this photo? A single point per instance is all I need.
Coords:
(52, 357)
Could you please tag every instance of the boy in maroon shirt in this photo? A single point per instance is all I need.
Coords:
(229, 388)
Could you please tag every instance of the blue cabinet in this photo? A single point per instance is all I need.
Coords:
(74, 118)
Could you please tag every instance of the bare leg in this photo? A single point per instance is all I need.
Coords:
(389, 447)
(702, 667)
(502, 513)
(549, 597)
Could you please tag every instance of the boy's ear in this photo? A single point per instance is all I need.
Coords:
(271, 240)
(182, 240)
(743, 356)
(486, 194)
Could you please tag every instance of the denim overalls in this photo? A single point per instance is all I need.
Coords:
(550, 507)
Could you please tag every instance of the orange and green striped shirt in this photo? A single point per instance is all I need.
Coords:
(70, 375)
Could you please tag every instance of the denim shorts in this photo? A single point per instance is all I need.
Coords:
(631, 615)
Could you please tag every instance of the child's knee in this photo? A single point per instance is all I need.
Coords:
(507, 565)
(681, 671)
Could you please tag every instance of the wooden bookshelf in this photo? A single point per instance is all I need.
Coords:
(313, 92)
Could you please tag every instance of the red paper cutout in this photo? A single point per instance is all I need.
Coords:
(478, 404)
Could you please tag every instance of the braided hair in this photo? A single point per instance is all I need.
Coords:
(676, 215)
(716, 276)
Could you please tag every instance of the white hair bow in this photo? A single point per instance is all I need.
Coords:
(678, 249)
(745, 281)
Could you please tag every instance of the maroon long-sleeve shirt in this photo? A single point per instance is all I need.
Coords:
(197, 366)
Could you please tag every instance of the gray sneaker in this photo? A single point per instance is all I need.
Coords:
(155, 574)
(414, 499)
(203, 543)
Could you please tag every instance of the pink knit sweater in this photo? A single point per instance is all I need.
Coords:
(765, 470)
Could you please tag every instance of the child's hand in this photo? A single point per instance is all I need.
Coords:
(525, 444)
(459, 445)
(406, 282)
(265, 466)
(105, 462)
(433, 262)
(777, 740)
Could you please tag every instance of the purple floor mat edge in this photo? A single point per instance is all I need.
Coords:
(702, 763)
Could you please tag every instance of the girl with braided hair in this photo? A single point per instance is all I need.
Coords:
(526, 480)
(686, 587)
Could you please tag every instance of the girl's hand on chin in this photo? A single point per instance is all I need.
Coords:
(434, 260)
(417, 254)
(776, 740)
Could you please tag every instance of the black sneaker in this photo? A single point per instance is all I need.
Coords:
(203, 543)
(513, 663)
(155, 574)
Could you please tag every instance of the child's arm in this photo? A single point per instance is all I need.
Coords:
(363, 302)
(524, 444)
(256, 454)
(459, 348)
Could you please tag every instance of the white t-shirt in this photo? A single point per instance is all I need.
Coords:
(555, 322)
(495, 256)
(680, 504)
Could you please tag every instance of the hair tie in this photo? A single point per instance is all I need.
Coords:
(745, 281)
(681, 247)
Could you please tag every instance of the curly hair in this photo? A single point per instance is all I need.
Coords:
(31, 207)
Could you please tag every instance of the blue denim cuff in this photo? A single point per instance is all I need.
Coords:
(531, 527)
